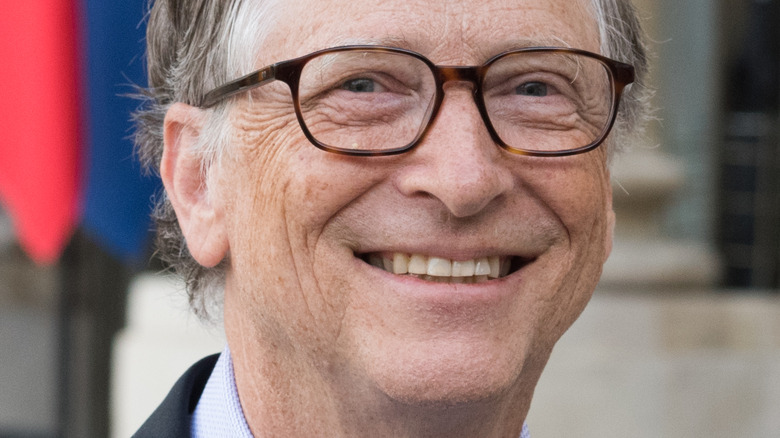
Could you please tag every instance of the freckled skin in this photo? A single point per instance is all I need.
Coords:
(321, 341)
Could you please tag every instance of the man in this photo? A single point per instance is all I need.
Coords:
(399, 237)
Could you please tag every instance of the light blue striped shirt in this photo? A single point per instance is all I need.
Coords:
(219, 413)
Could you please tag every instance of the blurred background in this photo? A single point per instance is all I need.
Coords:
(682, 338)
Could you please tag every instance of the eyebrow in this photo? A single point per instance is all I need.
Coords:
(523, 43)
(485, 53)
(399, 42)
(547, 40)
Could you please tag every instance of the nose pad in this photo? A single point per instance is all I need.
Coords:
(458, 163)
(459, 84)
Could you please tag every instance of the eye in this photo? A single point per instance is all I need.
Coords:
(534, 89)
(359, 85)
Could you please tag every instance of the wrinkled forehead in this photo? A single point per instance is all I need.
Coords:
(447, 31)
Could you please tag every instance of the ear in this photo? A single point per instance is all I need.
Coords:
(200, 219)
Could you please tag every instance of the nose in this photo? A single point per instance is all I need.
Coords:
(458, 163)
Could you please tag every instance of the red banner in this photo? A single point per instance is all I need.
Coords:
(40, 122)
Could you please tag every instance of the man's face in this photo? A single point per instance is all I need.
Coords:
(302, 225)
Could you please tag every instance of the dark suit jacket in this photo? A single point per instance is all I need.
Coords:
(172, 418)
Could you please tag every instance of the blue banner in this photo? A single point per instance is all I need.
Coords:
(117, 195)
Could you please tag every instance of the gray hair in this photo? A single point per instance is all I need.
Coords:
(196, 45)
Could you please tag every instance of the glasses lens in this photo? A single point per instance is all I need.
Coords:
(368, 100)
(548, 101)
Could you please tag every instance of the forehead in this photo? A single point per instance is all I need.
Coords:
(447, 31)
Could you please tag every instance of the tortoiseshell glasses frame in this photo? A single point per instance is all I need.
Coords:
(578, 96)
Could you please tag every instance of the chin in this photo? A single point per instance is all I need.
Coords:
(450, 375)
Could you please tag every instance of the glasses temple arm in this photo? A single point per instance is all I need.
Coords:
(252, 80)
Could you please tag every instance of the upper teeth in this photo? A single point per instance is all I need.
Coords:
(401, 263)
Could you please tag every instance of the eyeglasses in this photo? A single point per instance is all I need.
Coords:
(376, 100)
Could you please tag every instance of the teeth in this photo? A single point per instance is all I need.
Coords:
(482, 267)
(400, 264)
(387, 264)
(439, 269)
(418, 264)
(463, 269)
(495, 267)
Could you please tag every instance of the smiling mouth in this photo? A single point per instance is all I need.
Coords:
(442, 270)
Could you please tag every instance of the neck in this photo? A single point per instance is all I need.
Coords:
(284, 397)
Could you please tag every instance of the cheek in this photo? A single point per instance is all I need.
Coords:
(288, 246)
(276, 179)
(579, 196)
(583, 206)
(257, 177)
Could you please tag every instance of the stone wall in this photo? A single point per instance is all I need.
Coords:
(644, 364)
